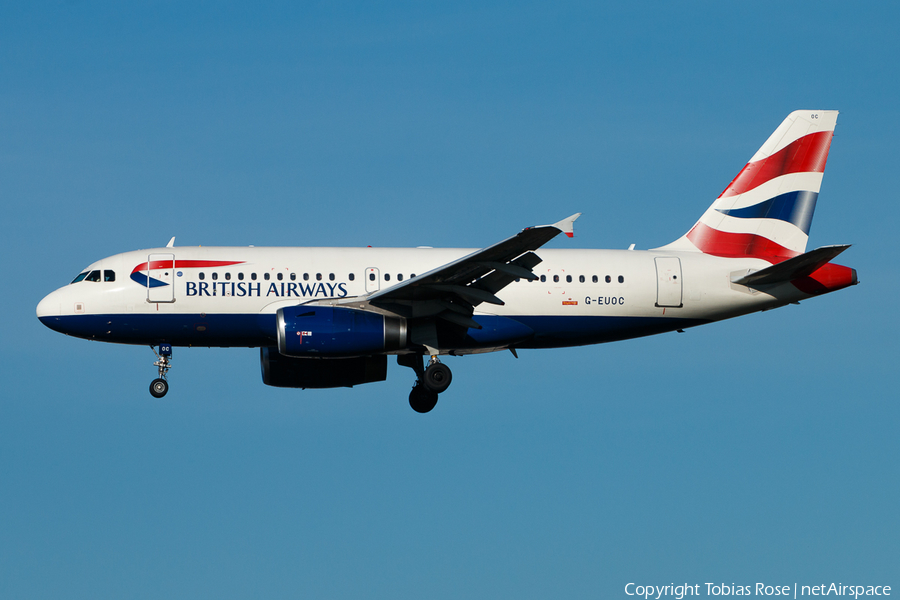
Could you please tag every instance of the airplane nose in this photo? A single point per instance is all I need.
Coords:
(49, 306)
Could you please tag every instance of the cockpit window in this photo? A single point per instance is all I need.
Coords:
(80, 277)
(93, 276)
(109, 275)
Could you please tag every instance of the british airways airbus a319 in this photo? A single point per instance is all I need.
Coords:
(329, 317)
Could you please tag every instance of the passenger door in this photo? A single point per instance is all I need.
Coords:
(161, 278)
(668, 282)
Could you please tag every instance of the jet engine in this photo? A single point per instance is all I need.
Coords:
(290, 372)
(327, 331)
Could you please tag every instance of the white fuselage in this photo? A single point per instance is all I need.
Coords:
(582, 296)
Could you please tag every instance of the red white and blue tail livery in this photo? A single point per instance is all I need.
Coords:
(330, 317)
(766, 211)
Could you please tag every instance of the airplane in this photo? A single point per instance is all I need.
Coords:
(329, 317)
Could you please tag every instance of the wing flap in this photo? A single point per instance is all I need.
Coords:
(496, 281)
(471, 293)
(459, 319)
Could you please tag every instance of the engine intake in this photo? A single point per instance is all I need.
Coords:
(337, 332)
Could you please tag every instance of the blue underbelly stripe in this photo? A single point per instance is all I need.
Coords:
(255, 330)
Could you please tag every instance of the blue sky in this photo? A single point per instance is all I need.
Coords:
(762, 449)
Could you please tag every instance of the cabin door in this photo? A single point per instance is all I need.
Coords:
(161, 278)
(668, 282)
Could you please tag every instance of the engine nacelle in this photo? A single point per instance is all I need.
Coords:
(337, 332)
(289, 372)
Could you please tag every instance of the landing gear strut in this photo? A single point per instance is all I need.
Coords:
(430, 381)
(159, 386)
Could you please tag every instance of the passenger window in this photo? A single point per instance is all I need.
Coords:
(594, 279)
(556, 279)
(608, 279)
(201, 276)
(412, 275)
(568, 279)
(621, 279)
(80, 277)
(253, 276)
(400, 277)
(241, 276)
(109, 275)
(215, 276)
(543, 278)
(280, 276)
(93, 276)
(267, 276)
(371, 276)
(228, 276)
(351, 277)
(306, 277)
(318, 277)
(331, 277)
(581, 279)
(387, 276)
(293, 277)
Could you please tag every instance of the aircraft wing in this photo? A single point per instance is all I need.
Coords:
(453, 290)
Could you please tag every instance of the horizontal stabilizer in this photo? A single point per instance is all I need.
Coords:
(793, 268)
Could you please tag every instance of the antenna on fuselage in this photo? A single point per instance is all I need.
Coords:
(171, 243)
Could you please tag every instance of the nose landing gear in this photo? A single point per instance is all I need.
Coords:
(430, 381)
(159, 386)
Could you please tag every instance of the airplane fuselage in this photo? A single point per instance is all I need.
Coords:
(228, 296)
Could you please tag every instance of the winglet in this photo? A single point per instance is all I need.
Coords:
(567, 225)
(171, 243)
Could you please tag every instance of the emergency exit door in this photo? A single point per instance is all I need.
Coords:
(668, 282)
(372, 280)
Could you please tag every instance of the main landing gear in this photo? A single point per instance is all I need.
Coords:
(430, 381)
(159, 386)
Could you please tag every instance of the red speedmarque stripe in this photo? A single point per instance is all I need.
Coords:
(187, 264)
(737, 245)
(805, 155)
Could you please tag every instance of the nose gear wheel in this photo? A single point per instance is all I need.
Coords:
(159, 387)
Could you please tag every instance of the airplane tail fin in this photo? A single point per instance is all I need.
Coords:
(766, 211)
